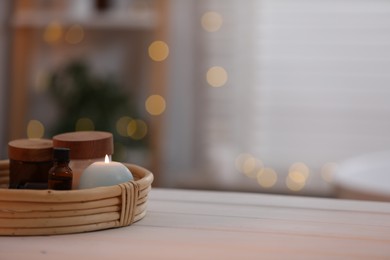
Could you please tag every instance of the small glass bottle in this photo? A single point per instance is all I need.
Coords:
(60, 175)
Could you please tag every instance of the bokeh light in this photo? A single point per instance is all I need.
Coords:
(158, 51)
(211, 21)
(267, 177)
(155, 105)
(131, 127)
(137, 129)
(328, 170)
(122, 124)
(216, 76)
(300, 167)
(84, 124)
(248, 164)
(35, 129)
(297, 176)
(75, 34)
(53, 32)
(142, 130)
(295, 181)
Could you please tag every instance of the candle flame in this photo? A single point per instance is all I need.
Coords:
(106, 159)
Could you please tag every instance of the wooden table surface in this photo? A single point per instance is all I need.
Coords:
(183, 224)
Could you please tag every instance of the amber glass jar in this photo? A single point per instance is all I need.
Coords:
(30, 162)
(60, 175)
(86, 147)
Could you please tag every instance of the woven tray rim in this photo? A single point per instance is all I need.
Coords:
(127, 201)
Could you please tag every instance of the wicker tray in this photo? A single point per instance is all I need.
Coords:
(49, 212)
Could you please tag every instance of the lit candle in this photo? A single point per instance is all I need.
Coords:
(104, 174)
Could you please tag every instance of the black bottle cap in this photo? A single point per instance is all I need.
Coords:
(61, 154)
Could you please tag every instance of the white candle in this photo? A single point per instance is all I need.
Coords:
(104, 174)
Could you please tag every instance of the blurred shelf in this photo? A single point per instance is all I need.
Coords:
(126, 20)
(124, 17)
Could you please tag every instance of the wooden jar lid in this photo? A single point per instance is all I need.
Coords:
(86, 144)
(31, 150)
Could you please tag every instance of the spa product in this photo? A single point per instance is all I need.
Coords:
(30, 161)
(86, 147)
(60, 175)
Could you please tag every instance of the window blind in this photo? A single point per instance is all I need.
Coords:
(308, 82)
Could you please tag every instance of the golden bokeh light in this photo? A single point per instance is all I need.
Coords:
(250, 167)
(211, 21)
(295, 181)
(141, 129)
(300, 167)
(240, 159)
(267, 177)
(75, 34)
(137, 129)
(216, 76)
(328, 170)
(53, 32)
(35, 129)
(248, 164)
(297, 177)
(131, 127)
(155, 105)
(121, 125)
(158, 51)
(84, 124)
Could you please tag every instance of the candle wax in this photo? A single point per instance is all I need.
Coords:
(104, 174)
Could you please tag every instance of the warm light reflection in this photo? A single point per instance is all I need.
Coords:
(137, 129)
(75, 34)
(216, 76)
(297, 177)
(267, 177)
(35, 129)
(300, 167)
(158, 51)
(155, 105)
(121, 125)
(248, 165)
(328, 170)
(211, 21)
(131, 127)
(84, 124)
(53, 32)
(295, 183)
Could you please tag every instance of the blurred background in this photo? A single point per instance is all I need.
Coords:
(257, 95)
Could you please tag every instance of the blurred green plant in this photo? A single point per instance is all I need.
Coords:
(81, 95)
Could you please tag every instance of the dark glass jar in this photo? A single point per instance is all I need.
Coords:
(30, 161)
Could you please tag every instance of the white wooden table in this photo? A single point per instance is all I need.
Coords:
(223, 225)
